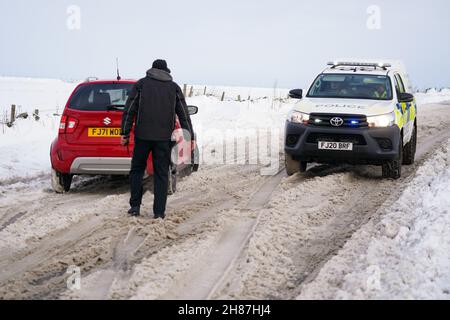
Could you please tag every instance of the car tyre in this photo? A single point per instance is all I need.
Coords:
(61, 182)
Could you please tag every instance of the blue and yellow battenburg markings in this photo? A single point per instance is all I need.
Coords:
(405, 112)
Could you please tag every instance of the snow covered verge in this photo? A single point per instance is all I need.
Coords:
(403, 255)
(25, 148)
(433, 96)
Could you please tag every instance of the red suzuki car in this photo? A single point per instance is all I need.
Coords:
(88, 142)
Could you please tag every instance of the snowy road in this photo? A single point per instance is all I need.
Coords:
(230, 232)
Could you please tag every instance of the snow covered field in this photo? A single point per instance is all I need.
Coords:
(227, 227)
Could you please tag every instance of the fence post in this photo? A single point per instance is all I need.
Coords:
(36, 114)
(185, 89)
(13, 114)
(204, 92)
(223, 96)
(191, 93)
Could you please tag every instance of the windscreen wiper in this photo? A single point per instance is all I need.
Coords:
(116, 107)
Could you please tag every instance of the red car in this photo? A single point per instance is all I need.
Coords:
(88, 142)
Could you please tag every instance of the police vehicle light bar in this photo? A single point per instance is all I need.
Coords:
(359, 64)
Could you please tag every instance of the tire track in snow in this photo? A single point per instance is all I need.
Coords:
(39, 272)
(305, 227)
(217, 263)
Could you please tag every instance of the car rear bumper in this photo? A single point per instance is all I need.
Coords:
(110, 166)
(91, 159)
(370, 145)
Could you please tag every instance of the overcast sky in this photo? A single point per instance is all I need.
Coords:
(247, 43)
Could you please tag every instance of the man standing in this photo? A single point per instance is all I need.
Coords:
(153, 104)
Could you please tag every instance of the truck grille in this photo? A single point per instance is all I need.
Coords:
(356, 139)
(350, 121)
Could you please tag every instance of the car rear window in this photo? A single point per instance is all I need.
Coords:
(100, 97)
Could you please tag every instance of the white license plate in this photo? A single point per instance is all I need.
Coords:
(339, 146)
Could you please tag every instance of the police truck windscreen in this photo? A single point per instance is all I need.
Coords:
(357, 86)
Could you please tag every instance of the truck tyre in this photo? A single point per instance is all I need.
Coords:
(292, 166)
(303, 166)
(393, 169)
(61, 182)
(409, 151)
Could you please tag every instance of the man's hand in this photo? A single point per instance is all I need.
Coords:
(124, 140)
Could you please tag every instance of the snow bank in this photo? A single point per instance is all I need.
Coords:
(405, 255)
(233, 93)
(25, 148)
(28, 94)
(433, 96)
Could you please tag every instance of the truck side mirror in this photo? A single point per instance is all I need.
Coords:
(405, 97)
(296, 94)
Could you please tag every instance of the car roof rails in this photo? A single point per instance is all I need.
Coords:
(375, 65)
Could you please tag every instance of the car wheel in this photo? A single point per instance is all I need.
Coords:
(172, 182)
(393, 169)
(292, 166)
(61, 182)
(195, 160)
(409, 151)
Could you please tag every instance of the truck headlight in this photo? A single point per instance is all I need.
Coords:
(298, 117)
(384, 120)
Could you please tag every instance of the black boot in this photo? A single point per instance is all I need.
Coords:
(135, 211)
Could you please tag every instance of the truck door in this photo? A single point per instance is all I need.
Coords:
(405, 108)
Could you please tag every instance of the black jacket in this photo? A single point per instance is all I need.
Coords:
(153, 103)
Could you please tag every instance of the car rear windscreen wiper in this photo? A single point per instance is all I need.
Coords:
(116, 107)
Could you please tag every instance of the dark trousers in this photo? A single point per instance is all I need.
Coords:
(161, 151)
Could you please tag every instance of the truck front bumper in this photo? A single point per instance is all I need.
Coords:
(373, 146)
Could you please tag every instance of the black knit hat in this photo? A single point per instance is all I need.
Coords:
(161, 65)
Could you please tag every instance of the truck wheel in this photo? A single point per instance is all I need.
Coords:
(292, 166)
(409, 152)
(393, 169)
(172, 182)
(303, 166)
(61, 182)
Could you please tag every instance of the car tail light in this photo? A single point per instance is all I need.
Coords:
(68, 124)
(72, 124)
(62, 124)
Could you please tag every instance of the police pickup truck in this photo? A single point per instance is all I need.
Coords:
(357, 113)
